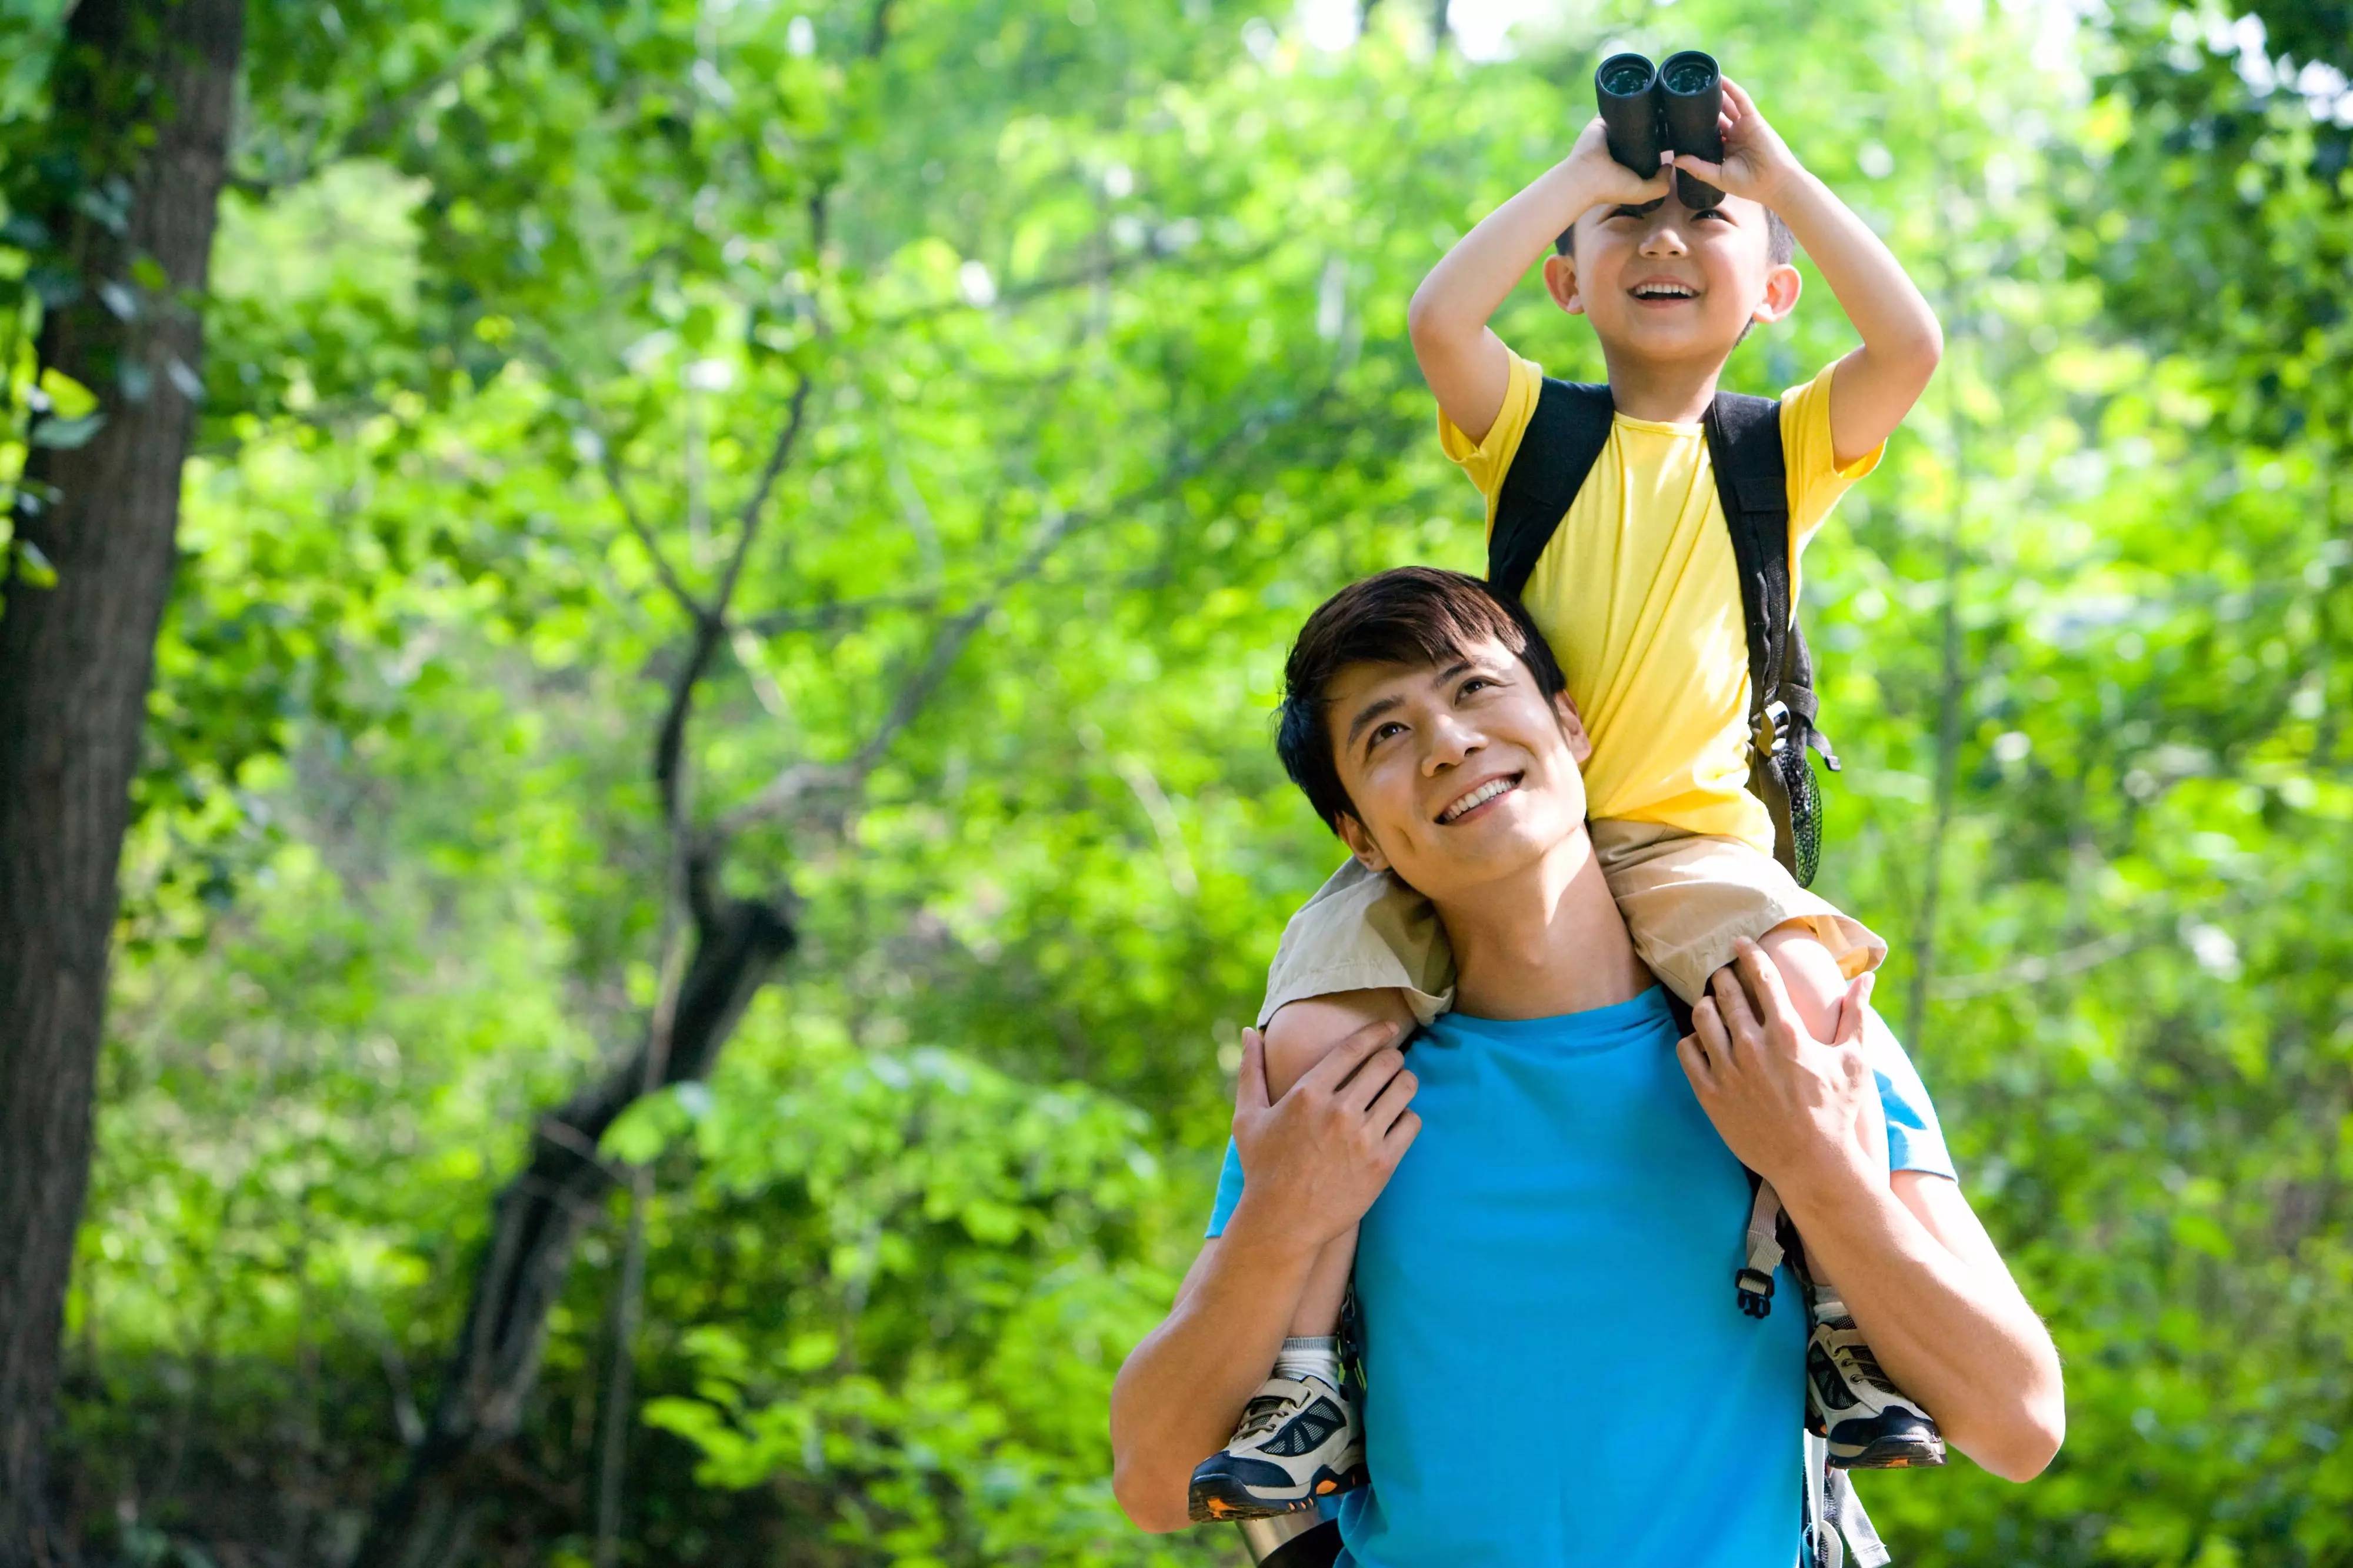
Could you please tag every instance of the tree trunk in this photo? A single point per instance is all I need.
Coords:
(76, 659)
(423, 1522)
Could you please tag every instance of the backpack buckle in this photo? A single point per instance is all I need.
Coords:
(1773, 728)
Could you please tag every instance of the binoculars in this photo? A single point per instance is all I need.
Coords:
(1649, 109)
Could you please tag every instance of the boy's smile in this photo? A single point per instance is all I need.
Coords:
(1659, 291)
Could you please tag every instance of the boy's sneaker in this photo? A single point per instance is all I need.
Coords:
(1871, 1424)
(1298, 1441)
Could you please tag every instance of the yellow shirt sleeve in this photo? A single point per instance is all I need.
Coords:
(1487, 461)
(1816, 480)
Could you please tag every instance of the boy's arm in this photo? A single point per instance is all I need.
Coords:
(1467, 366)
(1877, 384)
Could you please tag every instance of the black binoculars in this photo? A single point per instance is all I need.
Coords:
(1650, 109)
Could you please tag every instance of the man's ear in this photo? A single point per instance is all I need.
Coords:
(1560, 282)
(1360, 844)
(1781, 286)
(1572, 725)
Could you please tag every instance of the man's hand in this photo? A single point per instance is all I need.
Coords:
(1757, 162)
(1803, 1113)
(1320, 1154)
(1911, 1262)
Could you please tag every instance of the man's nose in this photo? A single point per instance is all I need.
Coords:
(1450, 741)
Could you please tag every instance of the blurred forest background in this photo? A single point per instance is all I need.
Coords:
(704, 823)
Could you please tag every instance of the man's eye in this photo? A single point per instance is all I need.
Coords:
(1383, 732)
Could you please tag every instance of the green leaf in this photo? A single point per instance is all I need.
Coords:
(32, 566)
(65, 435)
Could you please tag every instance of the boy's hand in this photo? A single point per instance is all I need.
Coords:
(1601, 179)
(1757, 164)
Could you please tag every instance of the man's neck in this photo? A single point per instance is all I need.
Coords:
(1548, 941)
(1675, 394)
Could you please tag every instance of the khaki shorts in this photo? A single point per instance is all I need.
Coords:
(1687, 898)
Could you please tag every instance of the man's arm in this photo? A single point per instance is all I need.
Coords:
(1932, 1295)
(1467, 366)
(1876, 384)
(1923, 1281)
(1182, 1389)
(1316, 1160)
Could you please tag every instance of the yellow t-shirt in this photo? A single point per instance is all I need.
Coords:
(1640, 595)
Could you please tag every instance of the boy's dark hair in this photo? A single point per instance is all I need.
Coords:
(1414, 616)
(1780, 245)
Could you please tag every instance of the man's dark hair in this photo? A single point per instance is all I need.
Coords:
(1413, 615)
(1780, 245)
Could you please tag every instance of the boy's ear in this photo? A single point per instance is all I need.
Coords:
(1360, 843)
(1781, 286)
(1572, 725)
(1560, 282)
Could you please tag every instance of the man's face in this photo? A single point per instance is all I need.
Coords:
(1461, 773)
(1664, 283)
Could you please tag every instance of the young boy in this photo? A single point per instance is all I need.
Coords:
(1639, 594)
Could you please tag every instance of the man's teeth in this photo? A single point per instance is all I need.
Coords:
(1480, 796)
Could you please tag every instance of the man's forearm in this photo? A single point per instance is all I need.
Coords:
(1951, 1329)
(1182, 1389)
(1877, 295)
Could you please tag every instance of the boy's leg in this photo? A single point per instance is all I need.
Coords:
(1365, 950)
(1687, 898)
(1871, 1424)
(1300, 1438)
(1300, 1034)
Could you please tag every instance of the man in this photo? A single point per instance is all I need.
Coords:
(1549, 1199)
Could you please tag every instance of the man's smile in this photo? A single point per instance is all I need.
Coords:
(1478, 797)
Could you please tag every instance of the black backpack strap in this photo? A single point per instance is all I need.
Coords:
(1752, 480)
(1744, 440)
(1564, 439)
(1744, 444)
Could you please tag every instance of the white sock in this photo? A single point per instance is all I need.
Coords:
(1317, 1355)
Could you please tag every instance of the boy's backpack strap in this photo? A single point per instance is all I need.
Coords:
(1744, 444)
(1744, 440)
(1564, 439)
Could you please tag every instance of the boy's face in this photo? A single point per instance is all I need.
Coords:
(1665, 284)
(1460, 771)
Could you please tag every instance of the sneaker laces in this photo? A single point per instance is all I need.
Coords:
(1263, 1414)
(1853, 1357)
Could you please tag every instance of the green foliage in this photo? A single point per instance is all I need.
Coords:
(1101, 311)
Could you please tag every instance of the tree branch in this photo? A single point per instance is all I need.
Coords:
(379, 122)
(711, 624)
(2036, 970)
(797, 782)
(1084, 277)
(617, 482)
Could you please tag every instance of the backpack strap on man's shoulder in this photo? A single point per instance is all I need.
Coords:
(1565, 437)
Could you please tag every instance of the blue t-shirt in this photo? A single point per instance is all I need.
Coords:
(1556, 1374)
